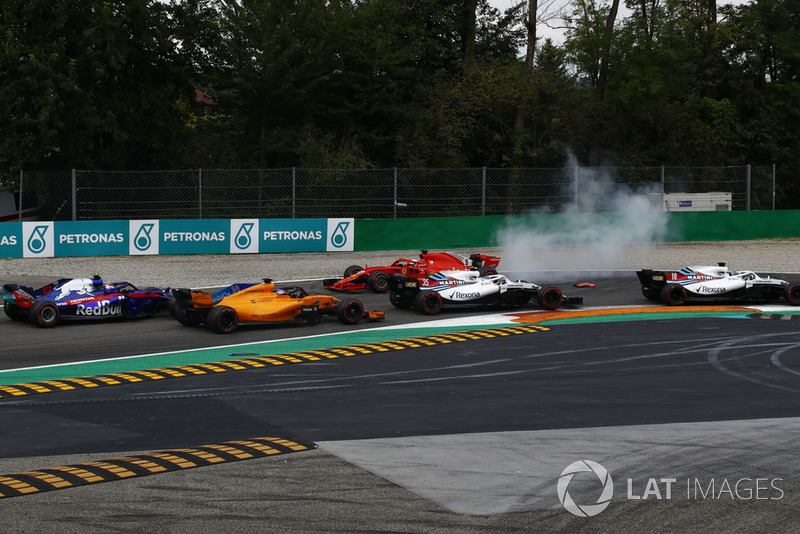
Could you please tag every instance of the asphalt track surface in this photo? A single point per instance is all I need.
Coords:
(461, 435)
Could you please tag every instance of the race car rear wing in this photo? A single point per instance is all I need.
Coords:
(19, 295)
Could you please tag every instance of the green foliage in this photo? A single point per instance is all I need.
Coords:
(87, 84)
(380, 83)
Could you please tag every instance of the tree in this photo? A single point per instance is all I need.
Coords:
(762, 79)
(80, 79)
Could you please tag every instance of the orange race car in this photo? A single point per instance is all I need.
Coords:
(237, 304)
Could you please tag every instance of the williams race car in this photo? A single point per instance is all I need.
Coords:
(377, 278)
(81, 298)
(238, 304)
(469, 289)
(714, 283)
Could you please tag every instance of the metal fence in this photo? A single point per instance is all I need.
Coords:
(388, 193)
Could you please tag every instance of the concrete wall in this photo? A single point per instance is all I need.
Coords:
(467, 232)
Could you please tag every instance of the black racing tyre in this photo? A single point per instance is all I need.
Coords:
(350, 271)
(792, 294)
(550, 298)
(44, 313)
(398, 301)
(487, 271)
(378, 282)
(350, 311)
(15, 312)
(172, 306)
(428, 302)
(673, 295)
(222, 319)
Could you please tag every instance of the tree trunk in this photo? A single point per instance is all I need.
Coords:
(514, 186)
(468, 29)
(602, 78)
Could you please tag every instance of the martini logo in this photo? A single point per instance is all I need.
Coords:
(38, 240)
(340, 235)
(145, 237)
(245, 233)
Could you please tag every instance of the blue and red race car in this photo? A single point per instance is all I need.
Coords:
(81, 298)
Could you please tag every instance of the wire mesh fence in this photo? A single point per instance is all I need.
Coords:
(387, 193)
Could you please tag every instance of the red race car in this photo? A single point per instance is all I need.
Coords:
(377, 278)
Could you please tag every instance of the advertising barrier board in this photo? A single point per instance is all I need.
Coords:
(48, 239)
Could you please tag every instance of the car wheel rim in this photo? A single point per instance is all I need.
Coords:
(47, 315)
(227, 320)
(353, 311)
(432, 304)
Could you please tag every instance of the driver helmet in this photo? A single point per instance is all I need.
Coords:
(97, 282)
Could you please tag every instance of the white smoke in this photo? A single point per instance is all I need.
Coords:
(588, 234)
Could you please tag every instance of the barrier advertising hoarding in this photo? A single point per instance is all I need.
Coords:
(47, 239)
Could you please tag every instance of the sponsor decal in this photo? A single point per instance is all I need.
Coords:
(38, 240)
(77, 301)
(245, 236)
(658, 278)
(458, 295)
(293, 235)
(189, 237)
(710, 289)
(83, 239)
(145, 237)
(101, 308)
(340, 235)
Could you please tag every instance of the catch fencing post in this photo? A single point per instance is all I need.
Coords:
(662, 187)
(576, 189)
(74, 195)
(294, 190)
(200, 192)
(395, 192)
(748, 187)
(21, 191)
(773, 187)
(483, 192)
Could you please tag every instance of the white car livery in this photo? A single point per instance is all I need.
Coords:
(715, 283)
(469, 289)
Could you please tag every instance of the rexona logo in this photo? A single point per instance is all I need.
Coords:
(603, 481)
(711, 289)
(37, 239)
(340, 235)
(245, 236)
(145, 237)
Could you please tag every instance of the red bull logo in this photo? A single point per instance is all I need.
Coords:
(100, 308)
